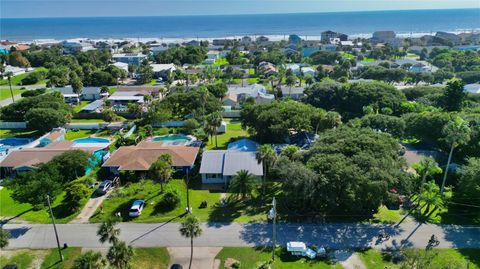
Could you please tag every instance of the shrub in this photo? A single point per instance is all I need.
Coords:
(33, 92)
(75, 193)
(169, 201)
(33, 78)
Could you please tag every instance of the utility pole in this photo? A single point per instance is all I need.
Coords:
(273, 215)
(188, 196)
(55, 228)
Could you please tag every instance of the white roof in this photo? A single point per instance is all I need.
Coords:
(472, 88)
(120, 64)
(229, 162)
(296, 246)
(162, 67)
(130, 55)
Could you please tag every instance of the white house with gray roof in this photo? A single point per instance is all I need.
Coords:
(219, 166)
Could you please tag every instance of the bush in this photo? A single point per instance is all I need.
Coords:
(33, 92)
(33, 78)
(169, 201)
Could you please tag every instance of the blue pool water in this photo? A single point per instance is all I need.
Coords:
(91, 140)
(176, 138)
(12, 142)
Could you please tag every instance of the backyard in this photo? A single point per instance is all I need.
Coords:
(234, 132)
(4, 133)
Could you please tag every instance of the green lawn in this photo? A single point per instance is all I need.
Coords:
(23, 259)
(52, 260)
(387, 216)
(220, 61)
(151, 83)
(151, 258)
(121, 200)
(4, 133)
(249, 257)
(252, 80)
(11, 208)
(78, 107)
(234, 132)
(87, 121)
(16, 80)
(5, 93)
(347, 55)
(74, 134)
(373, 259)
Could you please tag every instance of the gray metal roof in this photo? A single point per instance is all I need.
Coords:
(235, 161)
(93, 105)
(212, 162)
(229, 162)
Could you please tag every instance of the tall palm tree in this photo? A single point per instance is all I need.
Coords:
(457, 132)
(426, 167)
(89, 260)
(161, 170)
(190, 228)
(120, 254)
(431, 196)
(213, 122)
(9, 77)
(267, 156)
(243, 183)
(107, 231)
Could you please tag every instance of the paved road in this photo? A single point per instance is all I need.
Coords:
(249, 234)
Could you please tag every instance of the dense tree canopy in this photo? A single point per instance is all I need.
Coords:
(182, 55)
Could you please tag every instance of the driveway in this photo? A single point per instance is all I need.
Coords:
(90, 208)
(203, 257)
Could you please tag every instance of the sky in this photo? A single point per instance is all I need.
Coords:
(109, 8)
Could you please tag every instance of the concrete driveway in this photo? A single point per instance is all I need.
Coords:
(203, 257)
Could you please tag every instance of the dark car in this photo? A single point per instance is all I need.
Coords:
(103, 188)
(176, 266)
(12, 266)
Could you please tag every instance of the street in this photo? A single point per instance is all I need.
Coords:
(338, 236)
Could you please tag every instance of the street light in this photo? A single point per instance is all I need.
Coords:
(272, 214)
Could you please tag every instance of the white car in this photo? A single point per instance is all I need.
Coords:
(136, 209)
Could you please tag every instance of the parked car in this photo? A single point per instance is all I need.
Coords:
(104, 187)
(176, 266)
(136, 208)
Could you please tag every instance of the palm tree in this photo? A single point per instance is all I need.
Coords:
(108, 232)
(89, 260)
(9, 77)
(213, 122)
(190, 228)
(243, 183)
(457, 132)
(266, 155)
(4, 237)
(120, 254)
(426, 167)
(431, 196)
(161, 170)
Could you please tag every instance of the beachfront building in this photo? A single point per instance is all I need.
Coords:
(72, 47)
(139, 158)
(329, 36)
(219, 166)
(129, 58)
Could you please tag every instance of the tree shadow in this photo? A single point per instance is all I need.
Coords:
(18, 232)
(156, 228)
(6, 220)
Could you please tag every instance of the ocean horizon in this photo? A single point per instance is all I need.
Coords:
(364, 23)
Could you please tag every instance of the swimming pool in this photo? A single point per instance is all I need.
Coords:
(13, 142)
(173, 138)
(89, 140)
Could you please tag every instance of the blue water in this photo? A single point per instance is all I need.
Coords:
(91, 140)
(416, 21)
(15, 142)
(95, 160)
(178, 138)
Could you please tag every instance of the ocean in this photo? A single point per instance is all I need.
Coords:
(404, 22)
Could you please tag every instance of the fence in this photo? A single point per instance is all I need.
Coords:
(13, 125)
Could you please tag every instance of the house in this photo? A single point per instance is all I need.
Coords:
(309, 51)
(194, 43)
(455, 39)
(327, 36)
(120, 99)
(88, 93)
(55, 135)
(236, 95)
(129, 58)
(267, 69)
(163, 71)
(95, 106)
(157, 47)
(30, 158)
(72, 47)
(295, 93)
(472, 88)
(14, 70)
(245, 41)
(219, 166)
(143, 90)
(141, 157)
(421, 68)
(329, 47)
(298, 69)
(383, 36)
(294, 39)
(120, 65)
